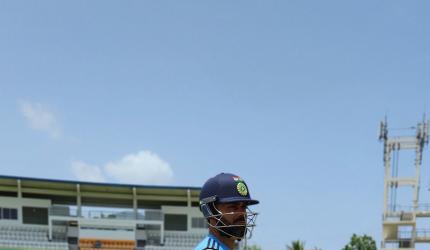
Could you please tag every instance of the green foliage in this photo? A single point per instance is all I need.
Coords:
(361, 243)
(252, 247)
(296, 245)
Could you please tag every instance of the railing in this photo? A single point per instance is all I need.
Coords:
(422, 207)
(422, 233)
(409, 234)
(425, 207)
(63, 211)
(146, 214)
(406, 234)
(400, 208)
(396, 244)
(104, 214)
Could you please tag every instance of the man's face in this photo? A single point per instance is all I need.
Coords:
(234, 214)
(237, 210)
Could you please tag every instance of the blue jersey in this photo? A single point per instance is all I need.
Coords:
(211, 242)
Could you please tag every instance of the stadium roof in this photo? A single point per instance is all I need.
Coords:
(97, 194)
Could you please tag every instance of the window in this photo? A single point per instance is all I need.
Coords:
(35, 215)
(8, 213)
(198, 223)
(176, 222)
(14, 214)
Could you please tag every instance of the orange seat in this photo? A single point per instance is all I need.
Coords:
(94, 244)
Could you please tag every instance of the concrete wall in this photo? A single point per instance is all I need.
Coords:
(94, 228)
(18, 203)
(106, 234)
(191, 212)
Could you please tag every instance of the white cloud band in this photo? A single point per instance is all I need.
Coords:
(86, 172)
(40, 118)
(144, 167)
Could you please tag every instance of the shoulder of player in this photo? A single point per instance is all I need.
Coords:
(210, 244)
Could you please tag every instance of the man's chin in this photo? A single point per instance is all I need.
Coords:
(236, 232)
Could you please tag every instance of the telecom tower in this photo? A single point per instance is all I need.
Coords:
(400, 220)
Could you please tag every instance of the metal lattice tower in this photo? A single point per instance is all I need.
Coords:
(399, 220)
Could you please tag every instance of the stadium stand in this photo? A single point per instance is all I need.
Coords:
(176, 240)
(47, 214)
(28, 237)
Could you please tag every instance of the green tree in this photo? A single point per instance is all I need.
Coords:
(364, 242)
(296, 245)
(252, 247)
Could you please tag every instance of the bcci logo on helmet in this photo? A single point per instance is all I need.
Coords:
(241, 188)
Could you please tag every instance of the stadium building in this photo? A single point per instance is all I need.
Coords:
(54, 214)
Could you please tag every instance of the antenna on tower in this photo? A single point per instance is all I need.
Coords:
(383, 130)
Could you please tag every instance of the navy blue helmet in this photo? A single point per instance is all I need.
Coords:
(224, 188)
(227, 188)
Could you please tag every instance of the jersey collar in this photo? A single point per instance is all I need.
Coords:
(219, 242)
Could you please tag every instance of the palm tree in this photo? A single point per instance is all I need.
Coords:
(296, 245)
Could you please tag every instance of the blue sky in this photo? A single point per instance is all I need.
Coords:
(286, 94)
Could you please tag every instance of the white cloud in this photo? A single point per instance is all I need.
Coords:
(40, 118)
(143, 167)
(86, 172)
